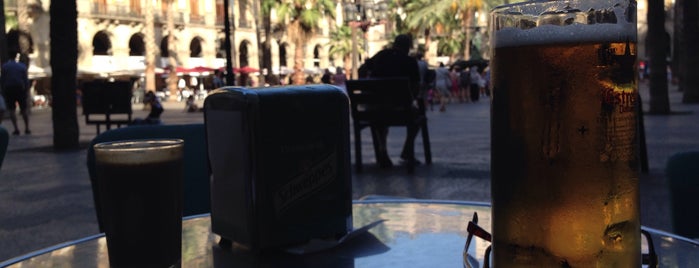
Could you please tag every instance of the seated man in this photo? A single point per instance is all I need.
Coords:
(395, 62)
(156, 108)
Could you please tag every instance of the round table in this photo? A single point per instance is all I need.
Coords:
(416, 233)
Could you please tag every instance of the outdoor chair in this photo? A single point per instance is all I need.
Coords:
(385, 101)
(107, 103)
(4, 140)
(682, 172)
(196, 168)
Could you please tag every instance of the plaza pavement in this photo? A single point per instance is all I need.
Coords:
(46, 199)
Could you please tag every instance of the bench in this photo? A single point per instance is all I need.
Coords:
(107, 103)
(385, 101)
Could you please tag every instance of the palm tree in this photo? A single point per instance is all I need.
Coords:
(424, 15)
(690, 59)
(467, 10)
(450, 45)
(303, 17)
(64, 62)
(450, 42)
(659, 100)
(341, 45)
(677, 45)
(428, 15)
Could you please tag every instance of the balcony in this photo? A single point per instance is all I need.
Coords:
(245, 23)
(178, 18)
(196, 19)
(11, 5)
(116, 11)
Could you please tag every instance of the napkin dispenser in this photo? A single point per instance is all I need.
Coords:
(280, 161)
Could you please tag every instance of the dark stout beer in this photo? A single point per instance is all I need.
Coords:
(141, 201)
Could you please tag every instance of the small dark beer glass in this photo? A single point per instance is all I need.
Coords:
(140, 195)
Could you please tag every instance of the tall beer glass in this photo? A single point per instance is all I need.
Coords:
(564, 134)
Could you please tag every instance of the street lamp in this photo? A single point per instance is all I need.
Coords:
(362, 14)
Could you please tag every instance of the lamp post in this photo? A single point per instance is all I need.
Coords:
(362, 14)
(230, 80)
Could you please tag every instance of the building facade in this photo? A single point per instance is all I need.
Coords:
(112, 36)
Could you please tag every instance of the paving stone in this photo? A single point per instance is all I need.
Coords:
(46, 199)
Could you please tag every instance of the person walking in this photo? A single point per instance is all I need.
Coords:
(464, 85)
(442, 85)
(476, 82)
(454, 77)
(15, 87)
(422, 95)
(339, 79)
(326, 78)
(218, 79)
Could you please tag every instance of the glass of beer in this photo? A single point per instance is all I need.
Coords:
(564, 134)
(140, 194)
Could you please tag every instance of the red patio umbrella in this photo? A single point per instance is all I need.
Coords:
(200, 69)
(245, 69)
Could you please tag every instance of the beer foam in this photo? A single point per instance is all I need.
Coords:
(620, 29)
(130, 152)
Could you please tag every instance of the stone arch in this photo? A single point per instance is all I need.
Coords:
(137, 47)
(283, 54)
(101, 44)
(316, 55)
(221, 48)
(196, 49)
(164, 52)
(244, 53)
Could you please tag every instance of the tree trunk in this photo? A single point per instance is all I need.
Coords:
(171, 49)
(260, 30)
(354, 54)
(348, 61)
(659, 100)
(233, 42)
(466, 45)
(151, 50)
(677, 44)
(428, 42)
(690, 31)
(299, 77)
(64, 62)
(3, 38)
(267, 45)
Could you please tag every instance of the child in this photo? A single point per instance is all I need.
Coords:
(156, 108)
(190, 106)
